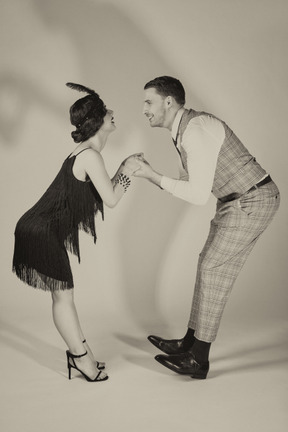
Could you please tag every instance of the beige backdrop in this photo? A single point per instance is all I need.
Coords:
(232, 59)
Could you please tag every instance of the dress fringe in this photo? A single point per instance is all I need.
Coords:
(38, 280)
(45, 233)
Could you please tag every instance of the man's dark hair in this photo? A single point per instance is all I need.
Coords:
(168, 86)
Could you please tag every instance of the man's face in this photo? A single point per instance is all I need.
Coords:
(155, 108)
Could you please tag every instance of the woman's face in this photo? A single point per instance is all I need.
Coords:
(108, 125)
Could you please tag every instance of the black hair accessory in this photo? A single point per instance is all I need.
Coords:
(97, 109)
(81, 88)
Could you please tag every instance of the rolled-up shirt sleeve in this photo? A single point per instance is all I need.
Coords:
(201, 142)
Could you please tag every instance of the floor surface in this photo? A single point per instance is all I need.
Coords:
(246, 389)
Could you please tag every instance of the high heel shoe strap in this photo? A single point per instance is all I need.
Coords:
(72, 364)
(69, 354)
(71, 360)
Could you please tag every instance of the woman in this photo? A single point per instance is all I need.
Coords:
(50, 227)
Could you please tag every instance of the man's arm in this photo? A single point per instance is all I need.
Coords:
(202, 141)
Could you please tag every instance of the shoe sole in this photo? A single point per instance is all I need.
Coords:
(195, 376)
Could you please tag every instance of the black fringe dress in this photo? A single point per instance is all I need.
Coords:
(51, 227)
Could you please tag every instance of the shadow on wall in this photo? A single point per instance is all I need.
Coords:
(17, 94)
(112, 52)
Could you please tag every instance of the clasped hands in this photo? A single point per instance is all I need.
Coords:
(137, 166)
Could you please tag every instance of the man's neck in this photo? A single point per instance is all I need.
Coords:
(176, 122)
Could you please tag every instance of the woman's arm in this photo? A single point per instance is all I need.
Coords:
(111, 191)
(127, 166)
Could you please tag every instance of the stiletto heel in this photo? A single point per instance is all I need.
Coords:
(98, 364)
(71, 358)
(69, 370)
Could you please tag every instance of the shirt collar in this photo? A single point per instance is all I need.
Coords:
(176, 122)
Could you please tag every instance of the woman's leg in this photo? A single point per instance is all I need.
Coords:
(101, 365)
(67, 323)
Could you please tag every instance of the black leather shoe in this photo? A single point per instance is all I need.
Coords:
(184, 364)
(168, 346)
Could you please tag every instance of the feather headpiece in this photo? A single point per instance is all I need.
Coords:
(96, 107)
(81, 88)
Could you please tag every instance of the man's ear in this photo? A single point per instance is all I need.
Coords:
(169, 101)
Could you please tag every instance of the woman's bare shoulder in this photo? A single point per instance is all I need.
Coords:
(88, 154)
(91, 159)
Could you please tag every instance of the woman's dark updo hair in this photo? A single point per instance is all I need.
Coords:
(86, 114)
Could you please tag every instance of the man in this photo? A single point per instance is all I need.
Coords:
(211, 158)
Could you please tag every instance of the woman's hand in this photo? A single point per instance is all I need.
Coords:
(131, 164)
(146, 171)
(137, 166)
(135, 155)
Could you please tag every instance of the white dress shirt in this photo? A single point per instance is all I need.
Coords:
(199, 149)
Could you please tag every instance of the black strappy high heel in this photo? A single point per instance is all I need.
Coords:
(98, 365)
(70, 365)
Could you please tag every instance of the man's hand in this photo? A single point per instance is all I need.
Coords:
(146, 171)
(137, 166)
(139, 156)
(131, 164)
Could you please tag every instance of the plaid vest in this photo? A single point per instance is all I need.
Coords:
(236, 169)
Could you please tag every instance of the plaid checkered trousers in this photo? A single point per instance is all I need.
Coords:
(234, 230)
